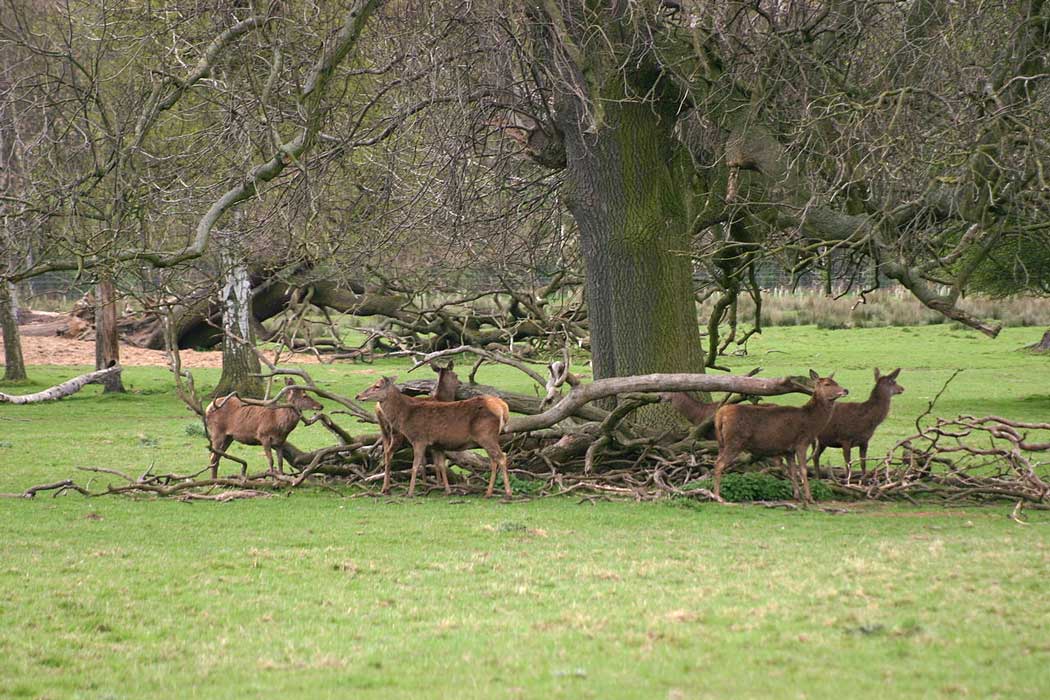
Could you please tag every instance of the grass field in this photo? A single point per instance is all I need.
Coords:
(320, 594)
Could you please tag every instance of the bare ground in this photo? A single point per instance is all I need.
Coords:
(40, 346)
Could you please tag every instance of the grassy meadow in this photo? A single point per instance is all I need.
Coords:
(324, 594)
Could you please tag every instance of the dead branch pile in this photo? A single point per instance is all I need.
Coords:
(563, 443)
(964, 458)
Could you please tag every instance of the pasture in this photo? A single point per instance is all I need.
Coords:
(323, 593)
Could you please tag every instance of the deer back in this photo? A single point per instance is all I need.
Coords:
(856, 422)
(250, 424)
(769, 429)
(449, 424)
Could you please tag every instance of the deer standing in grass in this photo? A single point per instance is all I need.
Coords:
(853, 423)
(229, 418)
(770, 431)
(450, 425)
(444, 390)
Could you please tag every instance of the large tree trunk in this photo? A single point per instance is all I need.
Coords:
(107, 336)
(1043, 345)
(627, 185)
(14, 364)
(239, 361)
(634, 234)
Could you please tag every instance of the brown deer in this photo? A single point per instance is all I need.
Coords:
(696, 412)
(450, 425)
(769, 431)
(229, 418)
(444, 390)
(853, 423)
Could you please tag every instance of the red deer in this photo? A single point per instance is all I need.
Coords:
(229, 418)
(769, 431)
(450, 425)
(854, 423)
(696, 412)
(444, 390)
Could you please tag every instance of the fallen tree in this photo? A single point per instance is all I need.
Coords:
(404, 319)
(66, 388)
(964, 459)
(563, 443)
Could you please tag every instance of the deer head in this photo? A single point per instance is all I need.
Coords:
(380, 390)
(297, 396)
(888, 382)
(826, 388)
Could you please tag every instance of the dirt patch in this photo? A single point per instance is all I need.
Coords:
(39, 347)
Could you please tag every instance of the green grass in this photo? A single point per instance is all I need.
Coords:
(323, 595)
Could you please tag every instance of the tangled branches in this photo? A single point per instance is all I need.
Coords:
(963, 458)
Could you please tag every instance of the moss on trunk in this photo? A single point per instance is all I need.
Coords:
(628, 199)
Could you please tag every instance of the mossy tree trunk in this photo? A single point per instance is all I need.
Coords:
(628, 189)
(628, 199)
(107, 337)
(635, 240)
(240, 364)
(14, 364)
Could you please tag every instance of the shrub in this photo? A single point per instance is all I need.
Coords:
(758, 486)
(195, 430)
(884, 307)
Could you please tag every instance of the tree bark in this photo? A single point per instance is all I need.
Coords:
(628, 198)
(239, 361)
(1043, 345)
(14, 364)
(107, 337)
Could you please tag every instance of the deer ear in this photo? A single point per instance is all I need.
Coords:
(894, 373)
(877, 375)
(390, 380)
(451, 364)
(831, 376)
(813, 375)
(435, 368)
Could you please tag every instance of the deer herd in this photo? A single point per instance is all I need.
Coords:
(439, 422)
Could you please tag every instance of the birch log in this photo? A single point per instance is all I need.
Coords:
(64, 389)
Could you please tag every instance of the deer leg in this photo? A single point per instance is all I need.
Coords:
(792, 470)
(440, 464)
(492, 480)
(506, 478)
(816, 458)
(725, 458)
(218, 449)
(269, 457)
(389, 448)
(418, 454)
(847, 454)
(863, 458)
(279, 449)
(800, 462)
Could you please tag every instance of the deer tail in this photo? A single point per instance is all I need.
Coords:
(499, 407)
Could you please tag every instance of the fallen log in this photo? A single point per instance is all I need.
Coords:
(585, 393)
(64, 389)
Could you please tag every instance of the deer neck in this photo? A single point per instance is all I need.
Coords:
(819, 409)
(442, 389)
(394, 406)
(879, 402)
(288, 416)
